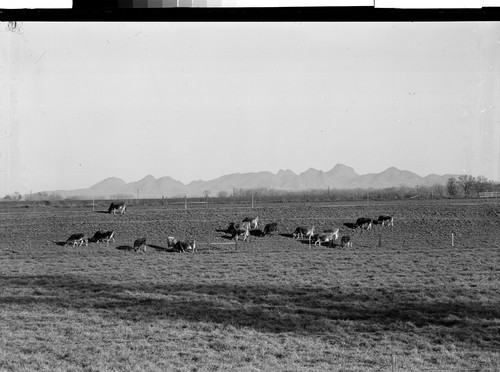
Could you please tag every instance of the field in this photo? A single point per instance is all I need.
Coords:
(402, 298)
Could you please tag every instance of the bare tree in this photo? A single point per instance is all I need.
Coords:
(206, 193)
(481, 184)
(466, 182)
(452, 187)
(222, 194)
(15, 196)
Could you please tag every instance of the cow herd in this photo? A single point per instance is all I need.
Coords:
(249, 226)
(239, 231)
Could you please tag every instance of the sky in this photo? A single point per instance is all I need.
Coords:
(195, 101)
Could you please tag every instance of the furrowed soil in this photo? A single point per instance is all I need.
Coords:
(402, 298)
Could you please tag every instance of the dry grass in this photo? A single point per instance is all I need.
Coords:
(273, 304)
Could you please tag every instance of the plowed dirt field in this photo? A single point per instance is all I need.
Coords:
(402, 298)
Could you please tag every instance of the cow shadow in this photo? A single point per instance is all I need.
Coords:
(125, 248)
(286, 235)
(306, 241)
(61, 244)
(106, 212)
(162, 249)
(256, 232)
(350, 225)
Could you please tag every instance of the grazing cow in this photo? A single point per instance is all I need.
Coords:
(327, 237)
(386, 219)
(364, 223)
(232, 228)
(183, 246)
(118, 207)
(345, 241)
(171, 242)
(140, 244)
(100, 236)
(254, 221)
(302, 230)
(77, 239)
(271, 228)
(241, 233)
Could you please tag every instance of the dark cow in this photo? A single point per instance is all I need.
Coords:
(302, 231)
(253, 221)
(241, 233)
(271, 228)
(345, 241)
(100, 236)
(77, 239)
(382, 220)
(232, 228)
(140, 244)
(117, 207)
(183, 246)
(365, 223)
(326, 237)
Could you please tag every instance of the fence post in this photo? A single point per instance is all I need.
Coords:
(252, 201)
(186, 202)
(452, 239)
(394, 367)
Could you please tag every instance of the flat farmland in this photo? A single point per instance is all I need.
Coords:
(402, 298)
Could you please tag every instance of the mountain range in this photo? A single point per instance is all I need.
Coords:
(339, 177)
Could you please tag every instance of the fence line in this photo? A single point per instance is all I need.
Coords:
(489, 194)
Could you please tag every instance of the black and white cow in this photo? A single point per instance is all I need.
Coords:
(383, 220)
(345, 241)
(365, 223)
(140, 244)
(253, 221)
(77, 239)
(183, 246)
(271, 228)
(326, 237)
(242, 233)
(117, 208)
(101, 236)
(302, 231)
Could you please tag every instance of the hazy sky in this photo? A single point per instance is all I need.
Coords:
(86, 101)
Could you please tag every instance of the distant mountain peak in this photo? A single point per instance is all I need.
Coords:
(311, 171)
(342, 166)
(109, 181)
(343, 171)
(286, 172)
(340, 176)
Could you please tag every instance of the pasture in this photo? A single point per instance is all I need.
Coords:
(402, 298)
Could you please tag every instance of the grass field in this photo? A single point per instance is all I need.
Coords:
(401, 298)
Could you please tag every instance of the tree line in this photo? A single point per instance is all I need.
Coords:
(456, 187)
(466, 185)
